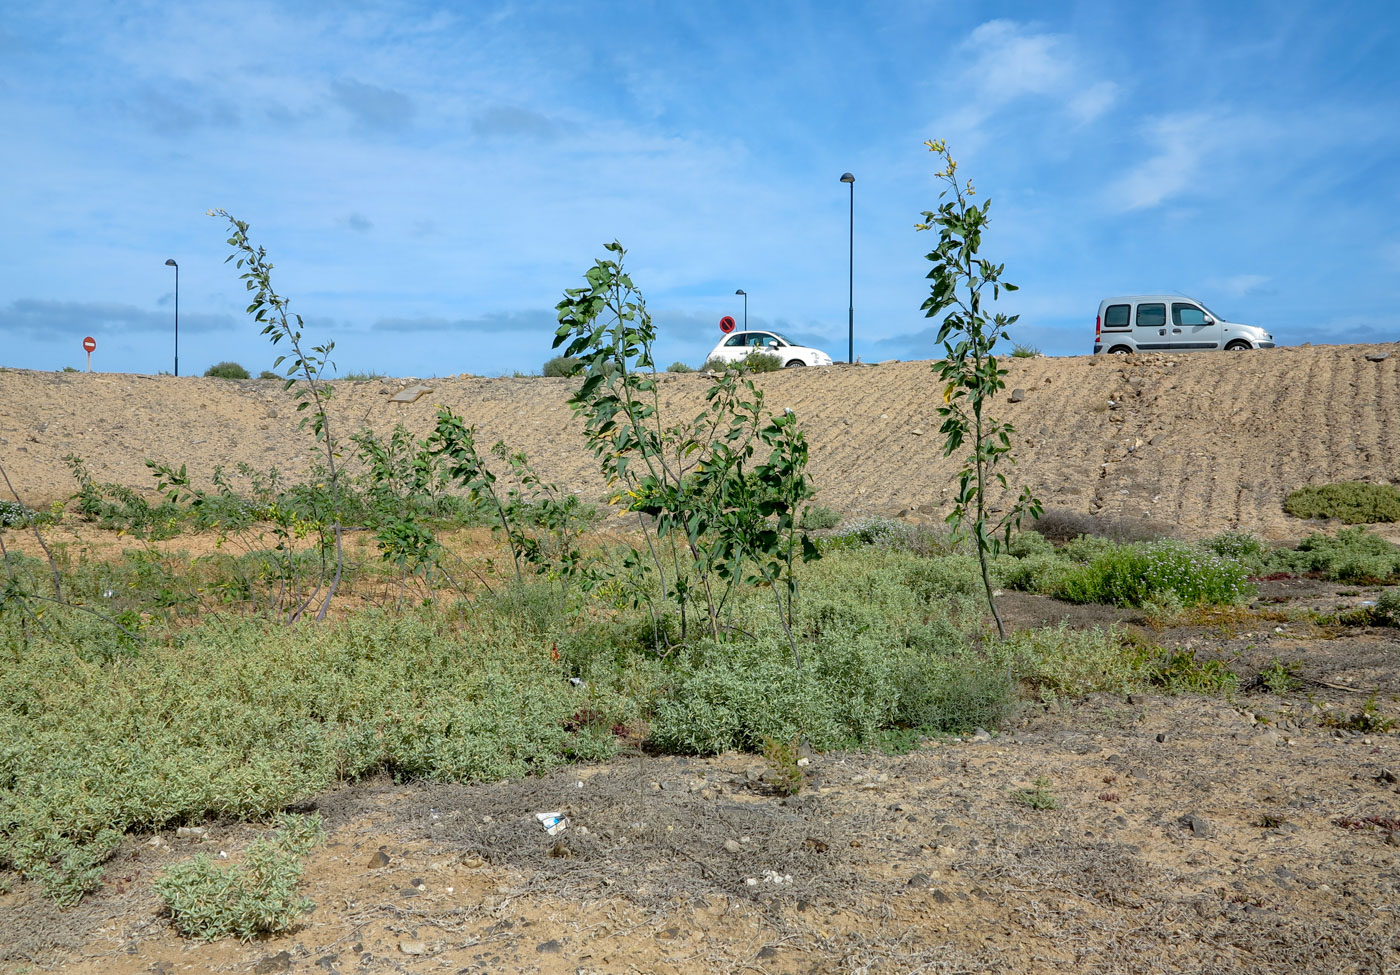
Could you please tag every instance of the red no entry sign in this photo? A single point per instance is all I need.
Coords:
(89, 344)
(726, 324)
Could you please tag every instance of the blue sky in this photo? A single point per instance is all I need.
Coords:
(428, 178)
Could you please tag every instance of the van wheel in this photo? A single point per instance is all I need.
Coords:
(1120, 350)
(1237, 346)
(794, 363)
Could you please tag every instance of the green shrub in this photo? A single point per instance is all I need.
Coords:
(363, 376)
(227, 370)
(753, 362)
(1181, 673)
(559, 366)
(1245, 547)
(14, 514)
(1353, 502)
(1136, 574)
(1354, 554)
(819, 517)
(679, 367)
(1019, 351)
(1061, 662)
(761, 362)
(268, 374)
(257, 897)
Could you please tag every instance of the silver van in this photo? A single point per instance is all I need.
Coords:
(1169, 323)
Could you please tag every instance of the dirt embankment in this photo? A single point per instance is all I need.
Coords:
(1197, 442)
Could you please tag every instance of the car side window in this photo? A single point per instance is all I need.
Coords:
(736, 341)
(1151, 314)
(1116, 316)
(758, 340)
(1187, 315)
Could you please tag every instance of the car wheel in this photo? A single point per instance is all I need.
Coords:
(1120, 350)
(794, 363)
(1237, 346)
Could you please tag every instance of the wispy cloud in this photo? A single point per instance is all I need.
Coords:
(1240, 285)
(509, 122)
(373, 108)
(1006, 62)
(43, 319)
(501, 322)
(1178, 144)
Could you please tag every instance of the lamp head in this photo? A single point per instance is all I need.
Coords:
(847, 178)
(170, 262)
(741, 291)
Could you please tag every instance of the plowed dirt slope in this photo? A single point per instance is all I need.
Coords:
(1199, 442)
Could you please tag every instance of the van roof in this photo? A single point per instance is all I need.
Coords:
(1152, 297)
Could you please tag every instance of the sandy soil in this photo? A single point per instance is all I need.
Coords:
(1195, 442)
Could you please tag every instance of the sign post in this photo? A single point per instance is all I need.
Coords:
(89, 346)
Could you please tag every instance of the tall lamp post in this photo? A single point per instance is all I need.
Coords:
(741, 291)
(851, 282)
(171, 263)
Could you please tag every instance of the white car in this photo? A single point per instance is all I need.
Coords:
(737, 345)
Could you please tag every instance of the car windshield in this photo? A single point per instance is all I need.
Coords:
(782, 338)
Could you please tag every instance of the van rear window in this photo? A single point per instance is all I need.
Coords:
(1115, 316)
(1153, 315)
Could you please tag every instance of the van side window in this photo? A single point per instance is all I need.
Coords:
(1115, 316)
(1151, 314)
(1187, 315)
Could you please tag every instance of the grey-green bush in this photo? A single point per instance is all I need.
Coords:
(560, 365)
(227, 370)
(1353, 502)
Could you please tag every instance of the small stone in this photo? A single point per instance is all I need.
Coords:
(1377, 356)
(1392, 839)
(380, 859)
(917, 432)
(946, 852)
(413, 947)
(732, 846)
(920, 880)
(941, 897)
(412, 394)
(280, 962)
(768, 951)
(550, 947)
(1017, 395)
(1161, 738)
(1198, 826)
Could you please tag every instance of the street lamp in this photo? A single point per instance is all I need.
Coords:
(851, 283)
(171, 263)
(741, 291)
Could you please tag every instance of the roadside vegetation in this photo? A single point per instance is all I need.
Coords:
(446, 613)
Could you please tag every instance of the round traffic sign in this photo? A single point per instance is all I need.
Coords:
(90, 344)
(726, 324)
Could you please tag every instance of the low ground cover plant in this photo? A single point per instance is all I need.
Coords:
(245, 900)
(1353, 502)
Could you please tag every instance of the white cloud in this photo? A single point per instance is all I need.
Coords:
(1010, 62)
(1179, 142)
(1240, 285)
(1093, 101)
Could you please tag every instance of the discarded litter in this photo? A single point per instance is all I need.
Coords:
(554, 823)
